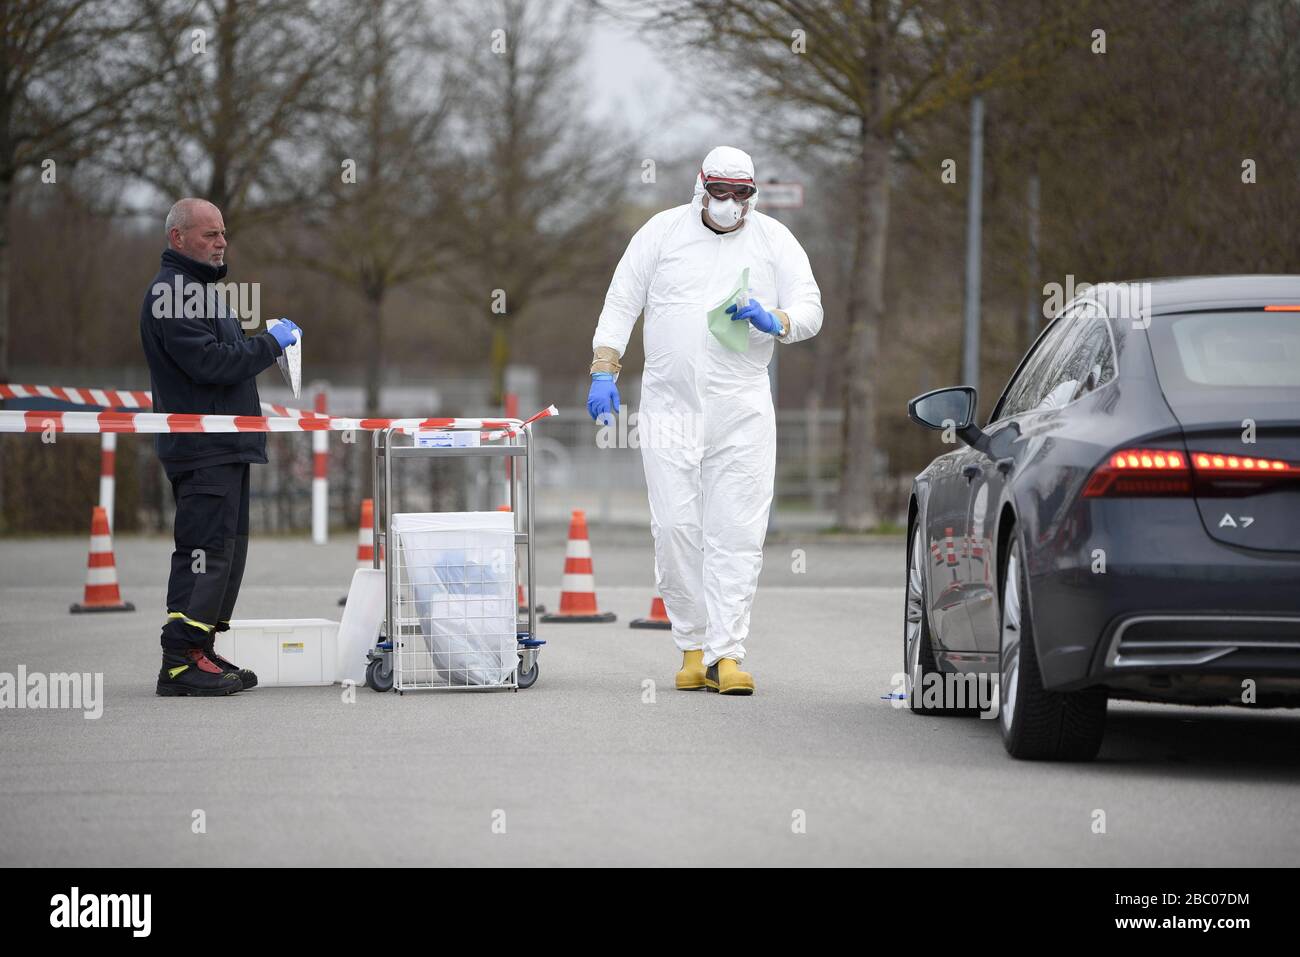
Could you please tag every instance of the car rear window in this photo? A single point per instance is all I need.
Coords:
(1231, 350)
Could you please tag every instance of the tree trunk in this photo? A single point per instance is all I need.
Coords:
(375, 356)
(225, 119)
(856, 505)
(500, 359)
(6, 204)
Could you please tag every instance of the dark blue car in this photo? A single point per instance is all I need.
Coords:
(1126, 524)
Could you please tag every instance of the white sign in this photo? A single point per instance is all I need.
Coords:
(446, 439)
(780, 195)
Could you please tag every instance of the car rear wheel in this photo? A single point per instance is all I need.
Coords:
(1038, 724)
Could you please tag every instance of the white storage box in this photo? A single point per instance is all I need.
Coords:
(283, 651)
(454, 588)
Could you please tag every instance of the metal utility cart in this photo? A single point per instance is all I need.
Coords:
(385, 669)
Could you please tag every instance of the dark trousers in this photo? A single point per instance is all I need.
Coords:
(211, 536)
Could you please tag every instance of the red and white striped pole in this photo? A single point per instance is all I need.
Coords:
(320, 483)
(107, 473)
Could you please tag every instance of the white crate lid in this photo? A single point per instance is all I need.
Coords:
(280, 624)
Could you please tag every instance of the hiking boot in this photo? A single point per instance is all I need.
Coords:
(192, 673)
(246, 677)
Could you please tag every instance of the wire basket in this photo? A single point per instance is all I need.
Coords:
(454, 600)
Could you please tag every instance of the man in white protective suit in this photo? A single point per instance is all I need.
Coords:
(707, 429)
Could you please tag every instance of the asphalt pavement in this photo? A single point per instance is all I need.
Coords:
(602, 762)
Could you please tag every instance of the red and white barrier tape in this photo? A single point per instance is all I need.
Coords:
(36, 420)
(119, 398)
(546, 413)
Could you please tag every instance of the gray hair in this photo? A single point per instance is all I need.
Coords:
(180, 216)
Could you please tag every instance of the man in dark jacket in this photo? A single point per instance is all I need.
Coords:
(201, 362)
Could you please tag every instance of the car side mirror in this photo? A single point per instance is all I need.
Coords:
(944, 408)
(951, 408)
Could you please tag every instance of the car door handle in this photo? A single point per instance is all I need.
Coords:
(970, 471)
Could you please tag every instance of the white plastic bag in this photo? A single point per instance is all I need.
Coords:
(290, 361)
(456, 577)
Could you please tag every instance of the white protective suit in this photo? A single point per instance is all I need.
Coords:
(710, 490)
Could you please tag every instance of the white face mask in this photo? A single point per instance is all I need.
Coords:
(725, 213)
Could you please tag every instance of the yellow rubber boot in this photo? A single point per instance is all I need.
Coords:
(727, 678)
(691, 677)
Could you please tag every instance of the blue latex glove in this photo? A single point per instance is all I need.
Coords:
(755, 314)
(603, 397)
(283, 332)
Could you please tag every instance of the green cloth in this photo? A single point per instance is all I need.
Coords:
(732, 333)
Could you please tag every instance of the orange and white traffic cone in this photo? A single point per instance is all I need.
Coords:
(102, 593)
(658, 616)
(521, 603)
(365, 539)
(366, 535)
(578, 591)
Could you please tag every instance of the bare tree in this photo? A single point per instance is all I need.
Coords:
(252, 84)
(847, 79)
(69, 72)
(533, 214)
(379, 217)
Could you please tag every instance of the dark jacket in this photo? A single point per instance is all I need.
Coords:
(202, 365)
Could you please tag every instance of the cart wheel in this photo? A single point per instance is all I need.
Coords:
(379, 677)
(528, 678)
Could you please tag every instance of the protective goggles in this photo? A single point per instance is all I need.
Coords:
(723, 189)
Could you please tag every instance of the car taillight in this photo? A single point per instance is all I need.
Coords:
(1156, 472)
(1141, 472)
(1214, 464)
(1224, 476)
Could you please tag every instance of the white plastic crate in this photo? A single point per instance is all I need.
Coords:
(283, 651)
(454, 600)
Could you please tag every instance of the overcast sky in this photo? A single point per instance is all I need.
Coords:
(628, 79)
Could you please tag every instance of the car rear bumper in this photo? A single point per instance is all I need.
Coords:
(1170, 601)
(1250, 660)
(1192, 658)
(1233, 643)
(1164, 642)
